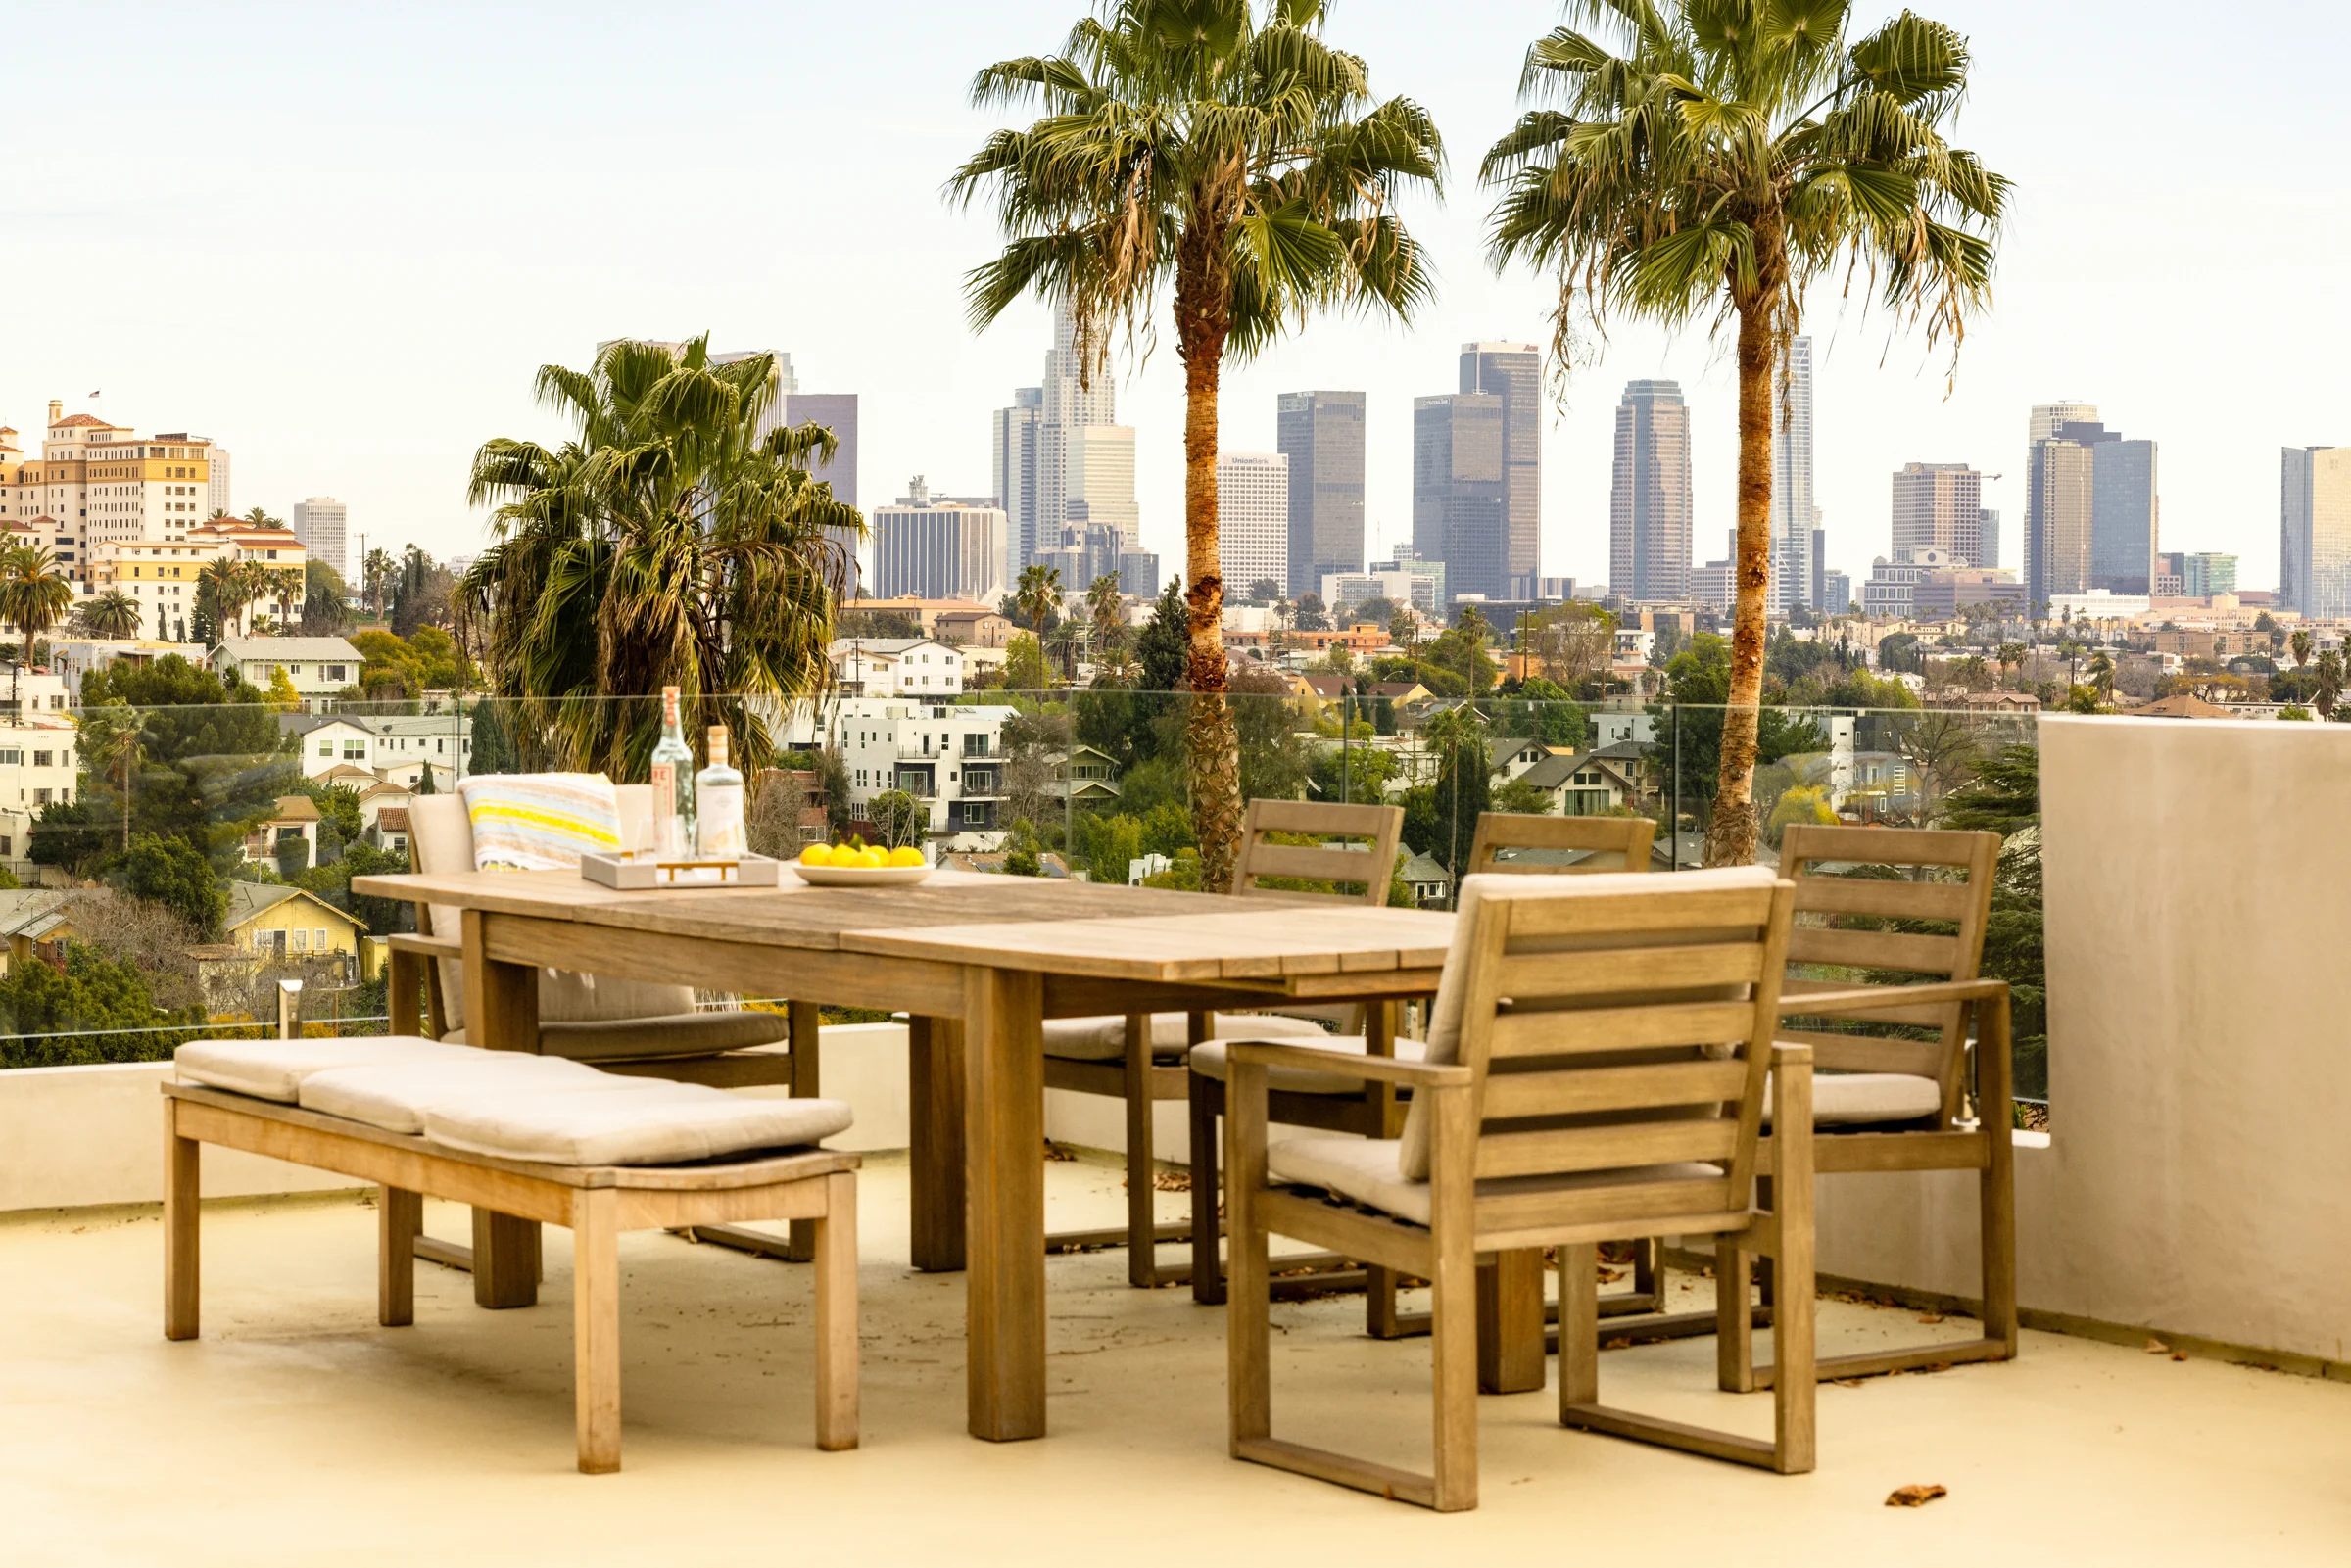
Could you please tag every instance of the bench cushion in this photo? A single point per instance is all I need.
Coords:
(1860, 1098)
(274, 1069)
(653, 1125)
(623, 1038)
(1371, 1171)
(395, 1095)
(1104, 1038)
(1210, 1061)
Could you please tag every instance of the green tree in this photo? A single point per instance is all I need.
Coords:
(1440, 820)
(85, 1014)
(203, 763)
(1025, 664)
(2004, 798)
(676, 539)
(900, 820)
(114, 614)
(1708, 166)
(1696, 681)
(1462, 649)
(1037, 597)
(291, 857)
(33, 593)
(1231, 153)
(1543, 711)
(178, 875)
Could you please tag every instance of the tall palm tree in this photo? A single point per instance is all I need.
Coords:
(2300, 643)
(1707, 161)
(377, 573)
(2012, 656)
(261, 519)
(1037, 596)
(1226, 153)
(2101, 675)
(33, 593)
(114, 614)
(2329, 692)
(222, 588)
(1106, 616)
(669, 543)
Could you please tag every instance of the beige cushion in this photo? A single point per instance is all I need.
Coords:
(679, 1035)
(1858, 1099)
(1445, 1017)
(652, 1124)
(1104, 1039)
(274, 1069)
(1209, 1062)
(1370, 1171)
(395, 1095)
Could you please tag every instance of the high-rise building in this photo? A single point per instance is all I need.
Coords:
(836, 412)
(2201, 576)
(96, 483)
(1937, 506)
(1836, 592)
(1013, 435)
(2126, 516)
(1717, 583)
(1988, 537)
(1513, 373)
(1409, 561)
(2314, 516)
(1078, 393)
(321, 523)
(1253, 520)
(1456, 488)
(1650, 514)
(217, 498)
(1794, 517)
(2059, 492)
(1322, 434)
(943, 546)
(1098, 489)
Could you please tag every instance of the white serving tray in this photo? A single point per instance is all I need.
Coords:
(642, 873)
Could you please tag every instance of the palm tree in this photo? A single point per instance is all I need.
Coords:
(261, 519)
(114, 614)
(1732, 152)
(1038, 597)
(1229, 155)
(377, 573)
(669, 543)
(33, 593)
(2101, 675)
(220, 587)
(2012, 656)
(1106, 617)
(2300, 643)
(2329, 692)
(1062, 642)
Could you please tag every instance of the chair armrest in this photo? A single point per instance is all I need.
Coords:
(1379, 1068)
(1863, 998)
(429, 946)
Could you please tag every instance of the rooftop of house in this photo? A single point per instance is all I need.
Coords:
(247, 900)
(295, 808)
(285, 649)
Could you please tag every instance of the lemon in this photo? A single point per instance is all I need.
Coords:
(906, 855)
(816, 855)
(876, 859)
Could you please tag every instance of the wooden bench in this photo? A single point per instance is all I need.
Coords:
(598, 1203)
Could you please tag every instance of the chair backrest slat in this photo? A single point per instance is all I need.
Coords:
(1615, 1028)
(1872, 1053)
(1368, 867)
(1607, 843)
(1881, 950)
(1630, 970)
(1557, 1092)
(1568, 1150)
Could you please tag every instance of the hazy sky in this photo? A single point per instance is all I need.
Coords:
(338, 239)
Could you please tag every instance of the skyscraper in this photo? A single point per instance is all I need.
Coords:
(2314, 517)
(1513, 373)
(2208, 573)
(1792, 515)
(1819, 598)
(1457, 489)
(1322, 434)
(1650, 516)
(1937, 506)
(1253, 520)
(2058, 495)
(1098, 485)
(1074, 396)
(942, 546)
(321, 523)
(2124, 515)
(216, 484)
(836, 412)
(1013, 437)
(1988, 537)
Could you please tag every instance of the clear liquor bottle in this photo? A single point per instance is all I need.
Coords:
(718, 833)
(673, 783)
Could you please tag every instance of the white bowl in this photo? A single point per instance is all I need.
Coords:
(859, 876)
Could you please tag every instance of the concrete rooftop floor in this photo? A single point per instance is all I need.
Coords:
(297, 1431)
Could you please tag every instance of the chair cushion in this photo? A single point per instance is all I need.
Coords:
(395, 1095)
(274, 1069)
(656, 1123)
(1371, 1171)
(680, 1034)
(1445, 1017)
(1104, 1039)
(1209, 1062)
(1858, 1099)
(539, 821)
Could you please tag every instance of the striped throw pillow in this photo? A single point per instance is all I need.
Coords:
(540, 821)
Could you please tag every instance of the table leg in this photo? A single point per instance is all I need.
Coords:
(807, 1022)
(935, 1084)
(1005, 1125)
(501, 1013)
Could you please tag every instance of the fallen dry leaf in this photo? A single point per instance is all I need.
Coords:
(1930, 1317)
(1915, 1496)
(2178, 1355)
(1055, 1152)
(1172, 1181)
(2158, 1348)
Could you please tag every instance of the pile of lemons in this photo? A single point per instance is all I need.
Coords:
(857, 852)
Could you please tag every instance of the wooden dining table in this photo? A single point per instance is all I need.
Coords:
(978, 962)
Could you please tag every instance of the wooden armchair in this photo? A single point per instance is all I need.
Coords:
(1141, 1059)
(1597, 1070)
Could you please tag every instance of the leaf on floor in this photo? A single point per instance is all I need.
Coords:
(1915, 1496)
(1172, 1181)
(2158, 1348)
(1055, 1152)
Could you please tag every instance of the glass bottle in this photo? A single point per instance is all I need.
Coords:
(673, 783)
(718, 806)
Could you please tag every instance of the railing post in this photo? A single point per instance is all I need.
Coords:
(289, 1009)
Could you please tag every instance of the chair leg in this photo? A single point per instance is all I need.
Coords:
(1579, 1327)
(596, 1328)
(1996, 1188)
(1734, 1323)
(805, 1021)
(1206, 1097)
(399, 1221)
(1143, 1223)
(835, 1236)
(1248, 1320)
(184, 1167)
(1510, 1322)
(1794, 1389)
(1453, 1313)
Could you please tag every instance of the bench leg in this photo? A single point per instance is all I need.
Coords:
(505, 1259)
(596, 1327)
(183, 1188)
(835, 1236)
(399, 1221)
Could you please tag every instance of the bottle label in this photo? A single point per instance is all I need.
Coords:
(718, 826)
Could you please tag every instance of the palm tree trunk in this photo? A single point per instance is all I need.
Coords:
(1202, 322)
(1731, 834)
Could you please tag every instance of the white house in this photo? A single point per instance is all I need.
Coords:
(319, 667)
(949, 757)
(896, 667)
(385, 747)
(38, 762)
